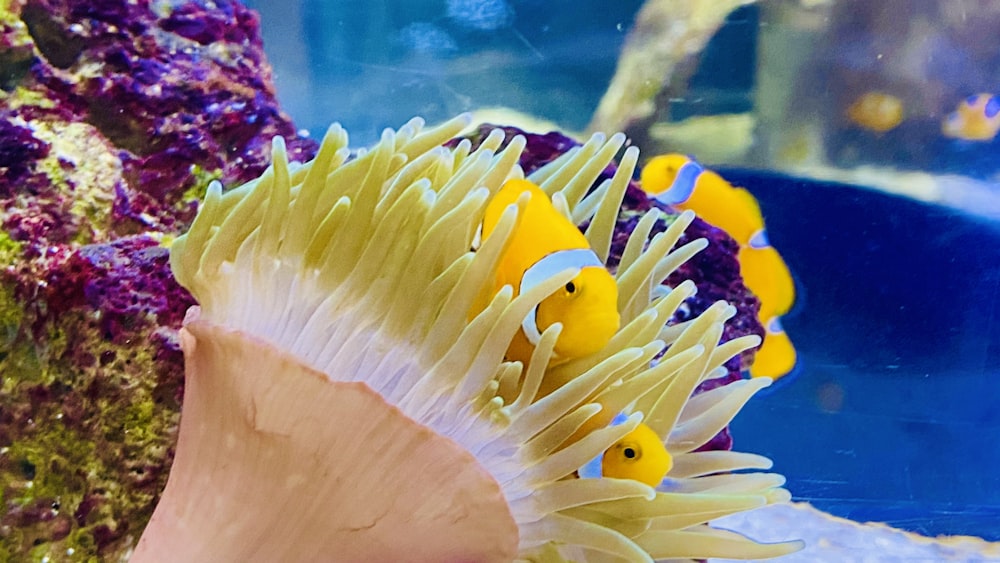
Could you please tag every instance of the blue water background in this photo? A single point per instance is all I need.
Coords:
(893, 413)
(372, 65)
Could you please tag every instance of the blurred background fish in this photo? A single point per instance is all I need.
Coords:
(977, 118)
(876, 111)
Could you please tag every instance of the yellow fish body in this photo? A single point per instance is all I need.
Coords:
(639, 455)
(543, 243)
(765, 273)
(681, 182)
(776, 356)
(876, 111)
(976, 119)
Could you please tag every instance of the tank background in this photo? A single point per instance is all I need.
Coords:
(891, 414)
(371, 64)
(931, 54)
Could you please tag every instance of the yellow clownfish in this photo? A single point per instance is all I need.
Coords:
(544, 243)
(679, 181)
(976, 119)
(639, 455)
(876, 111)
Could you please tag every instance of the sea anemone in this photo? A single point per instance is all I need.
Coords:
(341, 404)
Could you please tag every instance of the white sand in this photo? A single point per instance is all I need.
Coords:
(836, 540)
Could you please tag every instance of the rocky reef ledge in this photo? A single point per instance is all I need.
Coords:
(114, 118)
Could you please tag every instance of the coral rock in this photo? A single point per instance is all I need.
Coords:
(115, 117)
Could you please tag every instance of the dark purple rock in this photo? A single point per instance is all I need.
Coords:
(128, 281)
(20, 152)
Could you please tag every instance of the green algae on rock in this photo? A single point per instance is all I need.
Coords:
(106, 145)
(89, 408)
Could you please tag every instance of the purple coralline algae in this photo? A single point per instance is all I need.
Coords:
(115, 116)
(715, 270)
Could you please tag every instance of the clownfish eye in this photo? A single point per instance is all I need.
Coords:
(570, 287)
(631, 451)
